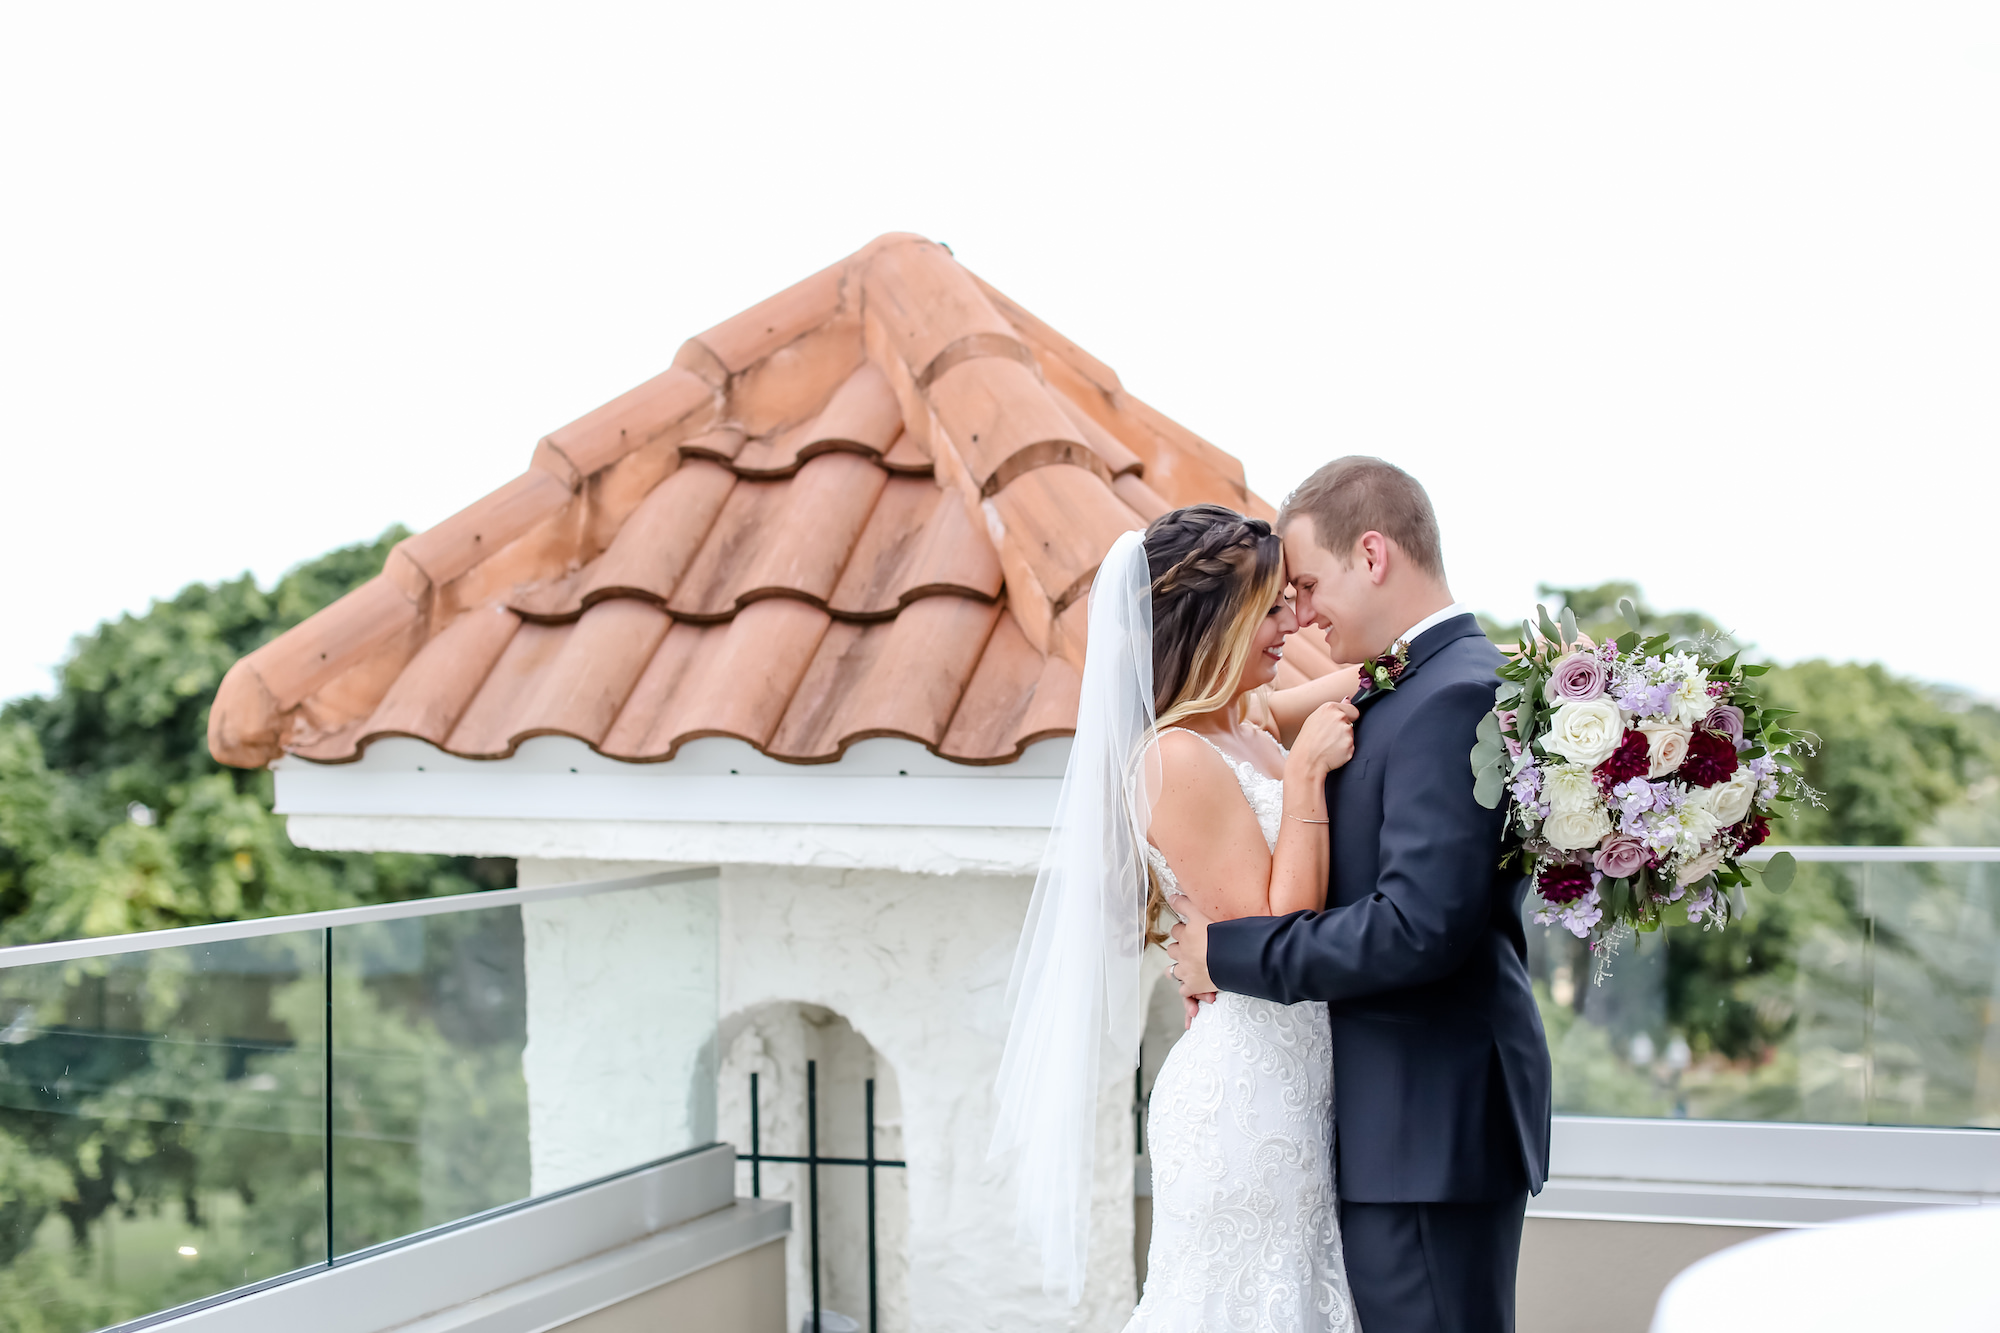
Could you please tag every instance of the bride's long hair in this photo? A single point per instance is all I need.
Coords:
(1215, 574)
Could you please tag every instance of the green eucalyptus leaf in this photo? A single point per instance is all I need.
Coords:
(1627, 641)
(1507, 693)
(1549, 630)
(1488, 731)
(1568, 627)
(1739, 903)
(1525, 715)
(1488, 787)
(1779, 871)
(1527, 636)
(1631, 614)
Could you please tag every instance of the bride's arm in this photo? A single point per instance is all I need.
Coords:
(1289, 709)
(1305, 844)
(1211, 838)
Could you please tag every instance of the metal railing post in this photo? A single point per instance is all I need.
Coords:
(812, 1174)
(869, 1111)
(756, 1157)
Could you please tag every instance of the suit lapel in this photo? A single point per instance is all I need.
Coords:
(1426, 646)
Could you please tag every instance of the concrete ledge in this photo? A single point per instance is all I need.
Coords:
(575, 1238)
(608, 1279)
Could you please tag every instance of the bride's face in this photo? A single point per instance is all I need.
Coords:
(1278, 624)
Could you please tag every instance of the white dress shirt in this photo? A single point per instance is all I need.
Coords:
(1431, 621)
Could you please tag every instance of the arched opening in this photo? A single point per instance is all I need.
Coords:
(775, 1041)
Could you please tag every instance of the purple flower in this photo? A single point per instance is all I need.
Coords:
(1528, 791)
(1577, 677)
(1620, 856)
(1726, 720)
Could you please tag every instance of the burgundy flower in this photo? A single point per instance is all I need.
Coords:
(1751, 833)
(1564, 884)
(1711, 758)
(1630, 760)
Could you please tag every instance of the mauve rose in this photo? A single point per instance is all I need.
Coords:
(1726, 720)
(1620, 857)
(1576, 677)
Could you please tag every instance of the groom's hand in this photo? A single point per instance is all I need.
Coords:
(1187, 945)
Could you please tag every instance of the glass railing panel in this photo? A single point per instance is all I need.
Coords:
(430, 1110)
(1870, 995)
(501, 1053)
(1931, 1053)
(161, 1118)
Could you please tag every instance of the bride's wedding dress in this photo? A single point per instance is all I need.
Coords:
(1246, 1234)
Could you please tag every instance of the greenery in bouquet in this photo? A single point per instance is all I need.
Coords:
(1638, 773)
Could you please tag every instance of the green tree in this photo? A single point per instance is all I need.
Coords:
(113, 816)
(114, 819)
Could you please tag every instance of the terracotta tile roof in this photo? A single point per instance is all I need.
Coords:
(869, 506)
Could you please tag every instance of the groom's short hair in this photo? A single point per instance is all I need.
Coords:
(1358, 494)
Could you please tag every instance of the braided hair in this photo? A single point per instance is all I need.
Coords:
(1215, 575)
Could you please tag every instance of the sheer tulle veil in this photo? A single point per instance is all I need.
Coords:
(1077, 993)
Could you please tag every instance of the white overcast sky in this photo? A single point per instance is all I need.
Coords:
(1702, 295)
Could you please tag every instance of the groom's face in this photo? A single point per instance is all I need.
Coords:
(1329, 592)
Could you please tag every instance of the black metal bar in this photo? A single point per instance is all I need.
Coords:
(812, 1173)
(756, 1159)
(326, 968)
(870, 1112)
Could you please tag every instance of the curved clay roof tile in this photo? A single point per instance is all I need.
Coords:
(871, 505)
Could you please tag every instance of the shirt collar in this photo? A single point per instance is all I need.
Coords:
(1431, 621)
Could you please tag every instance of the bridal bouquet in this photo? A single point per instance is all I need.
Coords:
(1638, 777)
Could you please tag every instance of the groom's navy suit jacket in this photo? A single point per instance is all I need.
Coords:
(1441, 1072)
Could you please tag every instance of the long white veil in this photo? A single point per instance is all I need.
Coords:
(1076, 991)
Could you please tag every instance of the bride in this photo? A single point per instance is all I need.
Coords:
(1171, 789)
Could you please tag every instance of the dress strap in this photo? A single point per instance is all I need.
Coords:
(1205, 741)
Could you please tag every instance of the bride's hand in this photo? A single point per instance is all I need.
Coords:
(1326, 740)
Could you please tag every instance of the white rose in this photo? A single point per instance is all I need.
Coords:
(1729, 801)
(1700, 867)
(1586, 732)
(1666, 745)
(1578, 829)
(1567, 789)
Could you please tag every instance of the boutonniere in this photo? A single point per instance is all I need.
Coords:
(1380, 676)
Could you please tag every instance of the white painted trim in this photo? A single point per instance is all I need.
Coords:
(933, 850)
(1736, 1173)
(1856, 855)
(25, 955)
(879, 782)
(527, 1268)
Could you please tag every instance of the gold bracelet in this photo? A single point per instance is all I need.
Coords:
(1303, 820)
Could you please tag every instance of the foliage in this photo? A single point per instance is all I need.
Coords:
(115, 819)
(113, 816)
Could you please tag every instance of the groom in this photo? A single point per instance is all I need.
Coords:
(1441, 1073)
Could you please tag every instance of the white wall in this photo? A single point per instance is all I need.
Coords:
(917, 965)
(622, 1017)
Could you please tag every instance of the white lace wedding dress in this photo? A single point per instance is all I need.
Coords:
(1246, 1236)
